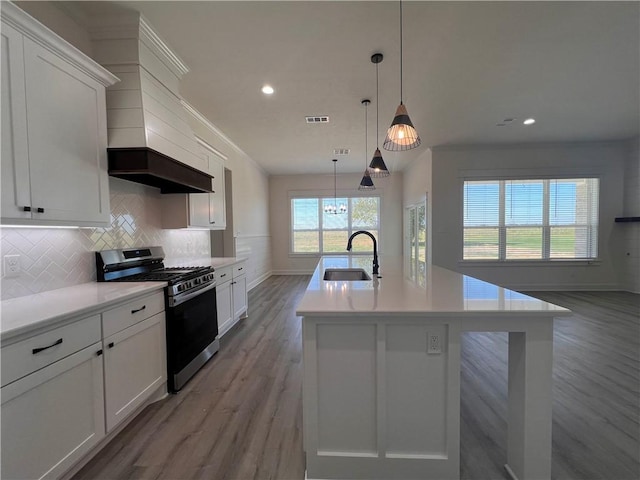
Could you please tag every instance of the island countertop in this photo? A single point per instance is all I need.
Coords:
(435, 291)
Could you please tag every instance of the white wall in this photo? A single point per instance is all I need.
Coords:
(390, 190)
(604, 159)
(53, 16)
(250, 186)
(630, 244)
(417, 186)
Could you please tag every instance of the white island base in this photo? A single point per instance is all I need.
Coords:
(380, 403)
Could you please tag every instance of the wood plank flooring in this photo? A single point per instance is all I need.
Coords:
(240, 417)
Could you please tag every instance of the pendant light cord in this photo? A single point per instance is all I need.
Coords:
(377, 111)
(335, 187)
(366, 135)
(400, 52)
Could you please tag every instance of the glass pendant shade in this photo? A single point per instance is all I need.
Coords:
(401, 134)
(378, 169)
(366, 183)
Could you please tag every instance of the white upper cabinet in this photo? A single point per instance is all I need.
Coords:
(54, 134)
(199, 210)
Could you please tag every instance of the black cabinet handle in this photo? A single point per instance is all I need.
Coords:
(111, 345)
(40, 210)
(233, 283)
(223, 275)
(26, 209)
(240, 268)
(138, 310)
(98, 353)
(38, 350)
(212, 222)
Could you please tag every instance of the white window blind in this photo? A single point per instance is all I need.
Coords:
(530, 219)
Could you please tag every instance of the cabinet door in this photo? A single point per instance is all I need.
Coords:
(239, 296)
(224, 301)
(135, 366)
(199, 208)
(200, 203)
(217, 211)
(66, 124)
(15, 160)
(52, 417)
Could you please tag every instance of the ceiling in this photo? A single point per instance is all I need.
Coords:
(573, 66)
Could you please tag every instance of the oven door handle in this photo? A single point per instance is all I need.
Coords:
(177, 300)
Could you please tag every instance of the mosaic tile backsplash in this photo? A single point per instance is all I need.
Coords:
(55, 258)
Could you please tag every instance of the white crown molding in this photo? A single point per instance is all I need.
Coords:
(531, 146)
(133, 26)
(220, 134)
(150, 38)
(34, 30)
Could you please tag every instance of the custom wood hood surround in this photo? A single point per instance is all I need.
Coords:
(146, 166)
(150, 140)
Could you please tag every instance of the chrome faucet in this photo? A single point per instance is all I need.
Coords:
(376, 265)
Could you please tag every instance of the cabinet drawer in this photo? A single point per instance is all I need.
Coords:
(118, 319)
(224, 274)
(21, 358)
(239, 269)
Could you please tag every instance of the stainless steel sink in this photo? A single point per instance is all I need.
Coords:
(349, 274)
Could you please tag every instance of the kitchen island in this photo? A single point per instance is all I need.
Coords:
(381, 394)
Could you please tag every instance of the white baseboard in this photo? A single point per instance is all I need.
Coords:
(292, 272)
(542, 287)
(259, 280)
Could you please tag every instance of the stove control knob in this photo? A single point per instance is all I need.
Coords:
(197, 281)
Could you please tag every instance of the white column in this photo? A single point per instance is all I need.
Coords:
(530, 402)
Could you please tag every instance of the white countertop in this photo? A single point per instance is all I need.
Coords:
(22, 315)
(26, 314)
(437, 291)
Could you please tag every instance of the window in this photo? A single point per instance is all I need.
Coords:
(530, 219)
(416, 242)
(314, 231)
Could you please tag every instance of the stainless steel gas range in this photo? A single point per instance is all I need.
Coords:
(190, 304)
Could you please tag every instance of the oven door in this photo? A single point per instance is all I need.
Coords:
(192, 331)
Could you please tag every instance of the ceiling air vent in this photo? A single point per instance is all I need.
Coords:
(341, 151)
(318, 119)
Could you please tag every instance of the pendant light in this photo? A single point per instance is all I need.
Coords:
(378, 167)
(366, 183)
(335, 209)
(401, 134)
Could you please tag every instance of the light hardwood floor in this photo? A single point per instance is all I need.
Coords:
(240, 418)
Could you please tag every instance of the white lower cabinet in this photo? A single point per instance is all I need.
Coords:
(239, 285)
(66, 388)
(134, 367)
(231, 296)
(224, 300)
(52, 417)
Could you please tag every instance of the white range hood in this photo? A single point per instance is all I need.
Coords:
(149, 137)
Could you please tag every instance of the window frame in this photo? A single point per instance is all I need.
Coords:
(350, 229)
(545, 225)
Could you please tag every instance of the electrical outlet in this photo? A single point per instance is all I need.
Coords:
(434, 343)
(12, 266)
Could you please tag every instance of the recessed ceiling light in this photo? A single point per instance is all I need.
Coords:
(529, 121)
(267, 89)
